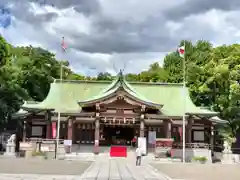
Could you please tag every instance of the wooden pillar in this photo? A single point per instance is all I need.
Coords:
(24, 131)
(49, 130)
(141, 134)
(189, 130)
(97, 131)
(142, 125)
(70, 129)
(49, 124)
(96, 136)
(211, 137)
(168, 129)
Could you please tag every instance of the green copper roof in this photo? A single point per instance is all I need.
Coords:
(65, 96)
(120, 83)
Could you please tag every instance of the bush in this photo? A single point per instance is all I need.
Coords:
(38, 153)
(201, 159)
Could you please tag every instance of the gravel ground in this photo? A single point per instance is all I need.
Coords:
(30, 166)
(200, 171)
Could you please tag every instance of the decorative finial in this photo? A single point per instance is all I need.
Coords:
(121, 75)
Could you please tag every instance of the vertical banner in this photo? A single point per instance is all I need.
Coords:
(54, 130)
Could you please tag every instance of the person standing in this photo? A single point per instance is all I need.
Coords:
(134, 141)
(138, 156)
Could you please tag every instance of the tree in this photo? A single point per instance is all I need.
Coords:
(104, 76)
(212, 76)
(10, 91)
(4, 51)
(154, 74)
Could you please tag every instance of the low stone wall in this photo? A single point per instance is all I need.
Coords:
(48, 148)
(190, 153)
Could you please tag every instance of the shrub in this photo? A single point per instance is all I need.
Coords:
(201, 159)
(38, 153)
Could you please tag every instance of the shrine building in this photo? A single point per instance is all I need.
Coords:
(114, 112)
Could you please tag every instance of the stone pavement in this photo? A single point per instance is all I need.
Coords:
(104, 168)
(38, 177)
(121, 169)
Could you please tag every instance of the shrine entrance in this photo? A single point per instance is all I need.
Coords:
(117, 135)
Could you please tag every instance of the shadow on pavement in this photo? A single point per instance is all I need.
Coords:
(25, 166)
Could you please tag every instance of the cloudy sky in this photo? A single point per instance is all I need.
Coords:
(103, 35)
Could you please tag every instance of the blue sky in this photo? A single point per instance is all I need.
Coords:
(102, 34)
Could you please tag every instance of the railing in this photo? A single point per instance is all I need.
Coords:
(43, 140)
(191, 145)
(179, 145)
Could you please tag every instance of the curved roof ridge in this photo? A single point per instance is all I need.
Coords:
(114, 86)
(111, 82)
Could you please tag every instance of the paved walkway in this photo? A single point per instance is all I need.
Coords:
(121, 169)
(104, 168)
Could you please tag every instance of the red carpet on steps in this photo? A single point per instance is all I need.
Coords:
(118, 151)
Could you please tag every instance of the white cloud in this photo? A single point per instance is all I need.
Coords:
(118, 33)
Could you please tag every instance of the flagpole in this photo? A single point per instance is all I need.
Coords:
(59, 111)
(184, 106)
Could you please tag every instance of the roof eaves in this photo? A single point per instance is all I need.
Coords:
(35, 108)
(203, 113)
(218, 120)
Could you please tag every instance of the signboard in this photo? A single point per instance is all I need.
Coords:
(67, 142)
(152, 137)
(54, 129)
(142, 144)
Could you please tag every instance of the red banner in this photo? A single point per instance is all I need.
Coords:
(180, 132)
(54, 130)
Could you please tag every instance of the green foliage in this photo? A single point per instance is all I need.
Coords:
(201, 159)
(4, 51)
(104, 76)
(38, 153)
(212, 76)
